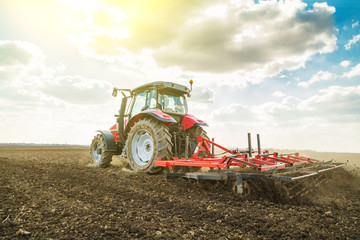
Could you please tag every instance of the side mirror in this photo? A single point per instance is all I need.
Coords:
(115, 92)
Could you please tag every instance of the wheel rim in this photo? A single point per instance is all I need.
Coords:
(142, 147)
(97, 152)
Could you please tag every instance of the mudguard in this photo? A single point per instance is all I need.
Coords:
(154, 113)
(190, 121)
(110, 144)
(159, 115)
(114, 132)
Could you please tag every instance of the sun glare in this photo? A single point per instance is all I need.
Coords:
(95, 22)
(217, 11)
(85, 5)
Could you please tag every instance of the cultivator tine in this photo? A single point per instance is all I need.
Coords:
(287, 191)
(277, 184)
(294, 186)
(301, 193)
(239, 184)
(306, 187)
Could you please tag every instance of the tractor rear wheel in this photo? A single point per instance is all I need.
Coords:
(147, 141)
(99, 156)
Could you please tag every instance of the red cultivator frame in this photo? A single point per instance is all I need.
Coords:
(240, 164)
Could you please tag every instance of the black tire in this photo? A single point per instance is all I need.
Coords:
(99, 157)
(147, 141)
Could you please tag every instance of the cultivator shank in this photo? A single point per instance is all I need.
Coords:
(238, 164)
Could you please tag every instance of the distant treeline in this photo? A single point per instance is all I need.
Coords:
(45, 144)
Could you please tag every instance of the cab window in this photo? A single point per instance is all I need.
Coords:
(152, 99)
(139, 103)
(173, 104)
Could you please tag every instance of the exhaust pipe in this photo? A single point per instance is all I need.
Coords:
(121, 119)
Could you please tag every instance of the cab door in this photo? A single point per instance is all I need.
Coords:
(138, 104)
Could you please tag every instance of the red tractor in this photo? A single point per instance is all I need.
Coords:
(154, 131)
(154, 124)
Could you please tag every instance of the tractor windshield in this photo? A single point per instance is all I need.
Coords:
(173, 104)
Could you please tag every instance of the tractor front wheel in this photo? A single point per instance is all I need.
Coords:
(147, 141)
(99, 156)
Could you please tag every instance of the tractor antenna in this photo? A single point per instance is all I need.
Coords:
(191, 83)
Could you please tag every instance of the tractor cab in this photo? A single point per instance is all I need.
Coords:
(164, 96)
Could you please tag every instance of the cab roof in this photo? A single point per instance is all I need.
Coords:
(166, 87)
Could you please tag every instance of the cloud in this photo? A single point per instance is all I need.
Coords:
(36, 96)
(23, 72)
(355, 71)
(233, 113)
(78, 90)
(280, 113)
(295, 123)
(16, 96)
(345, 63)
(279, 94)
(333, 103)
(355, 24)
(205, 95)
(333, 106)
(319, 76)
(21, 61)
(14, 53)
(352, 41)
(257, 40)
(27, 80)
(284, 37)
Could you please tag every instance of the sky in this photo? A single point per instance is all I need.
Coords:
(287, 70)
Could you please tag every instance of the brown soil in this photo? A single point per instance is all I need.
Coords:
(52, 193)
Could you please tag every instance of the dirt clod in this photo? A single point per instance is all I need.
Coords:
(22, 232)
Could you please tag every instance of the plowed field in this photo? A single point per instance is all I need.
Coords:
(53, 193)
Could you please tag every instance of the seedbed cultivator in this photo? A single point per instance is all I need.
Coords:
(240, 165)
